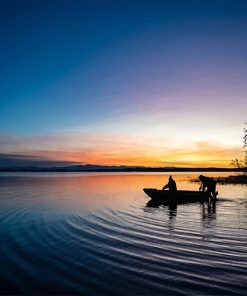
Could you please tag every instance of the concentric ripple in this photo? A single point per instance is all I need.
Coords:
(64, 240)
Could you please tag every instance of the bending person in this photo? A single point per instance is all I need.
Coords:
(209, 185)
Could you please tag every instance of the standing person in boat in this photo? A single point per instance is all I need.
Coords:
(171, 185)
(209, 184)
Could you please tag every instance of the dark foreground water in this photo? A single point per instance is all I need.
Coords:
(94, 234)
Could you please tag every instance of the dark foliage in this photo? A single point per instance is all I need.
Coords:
(242, 164)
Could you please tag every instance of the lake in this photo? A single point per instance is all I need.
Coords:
(93, 234)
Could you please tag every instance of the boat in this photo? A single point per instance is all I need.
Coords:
(181, 196)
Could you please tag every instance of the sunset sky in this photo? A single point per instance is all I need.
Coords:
(154, 83)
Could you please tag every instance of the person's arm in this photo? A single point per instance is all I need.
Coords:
(202, 187)
(166, 186)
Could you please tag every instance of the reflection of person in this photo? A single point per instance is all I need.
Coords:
(172, 210)
(209, 213)
(171, 185)
(209, 184)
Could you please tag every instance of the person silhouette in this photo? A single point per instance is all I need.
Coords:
(209, 185)
(171, 185)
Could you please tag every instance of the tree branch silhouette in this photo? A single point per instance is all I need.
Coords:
(242, 164)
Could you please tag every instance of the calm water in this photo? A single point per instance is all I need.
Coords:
(94, 234)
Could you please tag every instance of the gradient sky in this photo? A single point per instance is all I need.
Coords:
(123, 82)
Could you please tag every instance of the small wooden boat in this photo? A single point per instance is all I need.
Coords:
(181, 196)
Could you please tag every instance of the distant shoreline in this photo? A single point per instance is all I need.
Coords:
(238, 179)
(117, 169)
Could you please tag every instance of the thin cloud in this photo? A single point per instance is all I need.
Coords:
(18, 160)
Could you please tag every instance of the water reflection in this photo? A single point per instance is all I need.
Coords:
(172, 211)
(95, 234)
(209, 218)
(172, 207)
(208, 212)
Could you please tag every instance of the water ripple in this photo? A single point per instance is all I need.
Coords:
(192, 249)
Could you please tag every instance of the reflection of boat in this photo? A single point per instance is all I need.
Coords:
(181, 196)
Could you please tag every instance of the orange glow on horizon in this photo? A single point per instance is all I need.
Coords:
(129, 150)
(198, 157)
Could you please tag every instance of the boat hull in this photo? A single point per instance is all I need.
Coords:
(181, 196)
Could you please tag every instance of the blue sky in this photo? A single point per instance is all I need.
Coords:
(77, 70)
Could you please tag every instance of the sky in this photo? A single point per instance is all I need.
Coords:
(154, 83)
